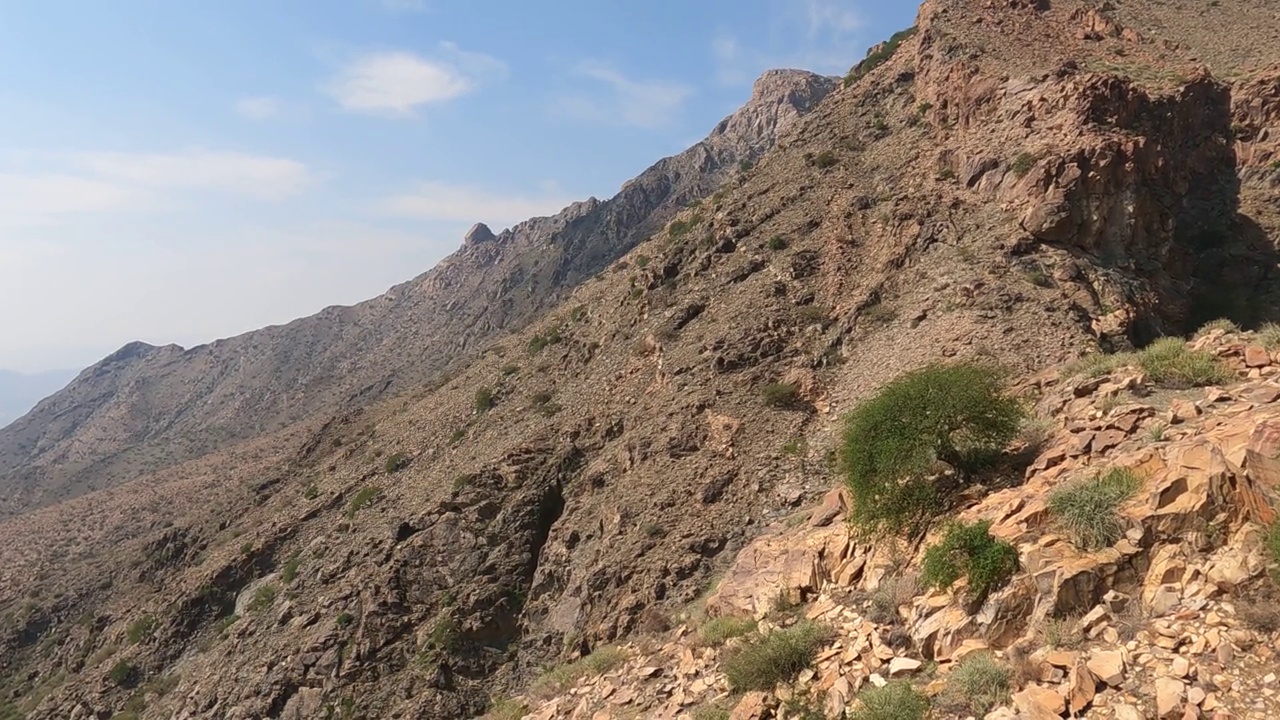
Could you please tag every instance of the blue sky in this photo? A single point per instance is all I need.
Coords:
(182, 171)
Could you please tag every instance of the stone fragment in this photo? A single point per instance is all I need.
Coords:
(1181, 667)
(753, 706)
(901, 665)
(1170, 693)
(1126, 712)
(1081, 688)
(1037, 702)
(1182, 410)
(1256, 357)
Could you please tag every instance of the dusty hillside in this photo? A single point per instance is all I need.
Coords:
(145, 407)
(985, 190)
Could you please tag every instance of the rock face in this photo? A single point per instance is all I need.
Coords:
(583, 480)
(144, 408)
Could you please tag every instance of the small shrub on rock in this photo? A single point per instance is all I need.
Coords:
(558, 679)
(979, 683)
(970, 551)
(1087, 510)
(483, 402)
(123, 674)
(141, 629)
(1223, 324)
(396, 462)
(363, 499)
(1170, 363)
(1269, 336)
(720, 630)
(954, 413)
(763, 661)
(780, 395)
(898, 700)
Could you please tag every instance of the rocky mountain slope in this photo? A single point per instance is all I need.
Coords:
(19, 392)
(145, 407)
(1019, 180)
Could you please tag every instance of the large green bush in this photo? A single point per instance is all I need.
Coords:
(970, 551)
(1087, 510)
(956, 413)
(768, 659)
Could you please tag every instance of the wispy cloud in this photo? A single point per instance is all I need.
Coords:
(259, 108)
(620, 99)
(461, 203)
(100, 182)
(823, 36)
(397, 83)
(259, 176)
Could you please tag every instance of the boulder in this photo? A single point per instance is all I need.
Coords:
(1108, 666)
(1037, 702)
(1170, 693)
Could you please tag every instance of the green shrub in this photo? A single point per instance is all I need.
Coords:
(718, 631)
(1087, 510)
(396, 462)
(141, 629)
(483, 402)
(763, 661)
(744, 165)
(561, 678)
(777, 242)
(642, 261)
(780, 395)
(289, 572)
(1223, 324)
(825, 159)
(311, 492)
(542, 341)
(1022, 164)
(510, 370)
(123, 674)
(264, 597)
(969, 551)
(953, 412)
(1098, 364)
(979, 683)
(880, 56)
(445, 635)
(896, 701)
(507, 709)
(711, 711)
(344, 619)
(363, 499)
(1170, 363)
(795, 447)
(893, 592)
(458, 436)
(681, 227)
(946, 174)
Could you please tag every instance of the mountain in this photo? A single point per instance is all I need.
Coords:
(147, 407)
(19, 392)
(1019, 181)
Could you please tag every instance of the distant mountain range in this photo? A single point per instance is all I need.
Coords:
(20, 392)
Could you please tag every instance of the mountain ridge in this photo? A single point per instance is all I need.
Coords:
(146, 407)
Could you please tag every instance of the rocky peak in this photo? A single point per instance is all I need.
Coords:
(778, 99)
(479, 233)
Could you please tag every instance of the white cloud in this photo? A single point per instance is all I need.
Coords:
(35, 199)
(258, 176)
(459, 203)
(644, 104)
(258, 108)
(825, 37)
(396, 83)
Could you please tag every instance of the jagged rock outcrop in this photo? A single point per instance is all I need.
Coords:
(145, 408)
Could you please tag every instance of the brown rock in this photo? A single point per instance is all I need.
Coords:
(1081, 688)
(1037, 702)
(1256, 357)
(753, 706)
(1182, 410)
(1170, 693)
(1108, 666)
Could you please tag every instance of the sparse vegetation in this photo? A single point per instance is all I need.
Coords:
(311, 492)
(123, 674)
(558, 679)
(363, 499)
(653, 530)
(483, 401)
(508, 370)
(1038, 277)
(1062, 633)
(1036, 433)
(345, 619)
(879, 313)
(507, 709)
(711, 711)
(1269, 336)
(141, 629)
(765, 660)
(824, 160)
(780, 395)
(718, 631)
(264, 597)
(289, 572)
(1222, 324)
(1022, 164)
(979, 683)
(744, 165)
(1087, 510)
(1272, 545)
(880, 56)
(642, 261)
(1098, 364)
(794, 447)
(777, 242)
(396, 462)
(1157, 430)
(681, 226)
(542, 341)
(970, 551)
(1170, 363)
(946, 174)
(458, 436)
(954, 413)
(898, 700)
(893, 592)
